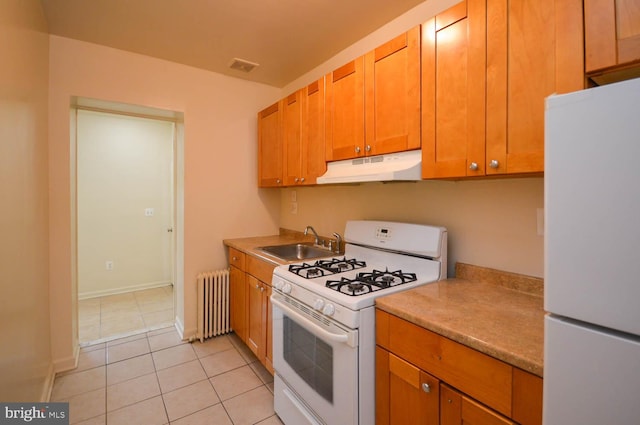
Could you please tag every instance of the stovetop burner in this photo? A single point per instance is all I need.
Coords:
(367, 282)
(326, 267)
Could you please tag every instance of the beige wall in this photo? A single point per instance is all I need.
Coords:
(124, 167)
(221, 198)
(25, 358)
(491, 223)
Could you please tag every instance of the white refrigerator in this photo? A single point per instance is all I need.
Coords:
(592, 257)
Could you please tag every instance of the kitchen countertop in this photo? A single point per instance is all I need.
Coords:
(480, 309)
(497, 313)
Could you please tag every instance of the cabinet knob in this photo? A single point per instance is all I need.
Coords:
(301, 179)
(473, 166)
(278, 181)
(426, 388)
(296, 180)
(357, 149)
(368, 148)
(494, 163)
(258, 286)
(234, 258)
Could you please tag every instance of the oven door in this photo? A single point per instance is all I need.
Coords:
(316, 365)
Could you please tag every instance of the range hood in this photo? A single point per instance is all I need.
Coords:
(401, 166)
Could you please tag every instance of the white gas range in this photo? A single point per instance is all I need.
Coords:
(324, 318)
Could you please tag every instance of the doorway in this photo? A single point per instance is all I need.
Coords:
(125, 223)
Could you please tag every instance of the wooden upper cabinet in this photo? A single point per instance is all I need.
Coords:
(313, 126)
(612, 34)
(292, 137)
(532, 52)
(270, 146)
(392, 95)
(453, 91)
(373, 102)
(344, 119)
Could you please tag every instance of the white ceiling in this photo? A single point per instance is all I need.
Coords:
(287, 38)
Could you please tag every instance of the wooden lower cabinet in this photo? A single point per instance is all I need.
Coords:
(238, 296)
(456, 408)
(424, 378)
(255, 317)
(259, 320)
(404, 394)
(251, 306)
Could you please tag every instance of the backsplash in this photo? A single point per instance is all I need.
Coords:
(491, 223)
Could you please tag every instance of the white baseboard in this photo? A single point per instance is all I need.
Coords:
(122, 289)
(185, 334)
(48, 385)
(68, 363)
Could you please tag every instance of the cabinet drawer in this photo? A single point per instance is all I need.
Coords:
(237, 258)
(259, 269)
(482, 377)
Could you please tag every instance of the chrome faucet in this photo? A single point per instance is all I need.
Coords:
(338, 249)
(306, 230)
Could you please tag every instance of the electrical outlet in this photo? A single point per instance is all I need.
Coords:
(540, 221)
(294, 208)
(294, 196)
(108, 265)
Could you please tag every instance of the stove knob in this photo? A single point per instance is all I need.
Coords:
(286, 288)
(329, 309)
(318, 304)
(278, 285)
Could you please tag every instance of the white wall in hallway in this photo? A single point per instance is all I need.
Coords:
(124, 169)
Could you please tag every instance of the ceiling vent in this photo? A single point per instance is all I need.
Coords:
(242, 65)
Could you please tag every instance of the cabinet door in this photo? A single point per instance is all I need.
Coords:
(525, 64)
(268, 328)
(392, 95)
(458, 409)
(270, 146)
(344, 121)
(404, 393)
(255, 324)
(453, 92)
(292, 137)
(237, 286)
(612, 33)
(313, 122)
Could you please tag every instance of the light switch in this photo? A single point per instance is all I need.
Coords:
(148, 212)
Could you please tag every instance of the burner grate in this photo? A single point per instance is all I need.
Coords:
(326, 267)
(368, 282)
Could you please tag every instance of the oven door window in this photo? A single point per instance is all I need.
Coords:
(310, 357)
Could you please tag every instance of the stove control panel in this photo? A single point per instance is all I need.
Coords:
(383, 233)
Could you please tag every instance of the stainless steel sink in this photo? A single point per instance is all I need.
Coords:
(296, 251)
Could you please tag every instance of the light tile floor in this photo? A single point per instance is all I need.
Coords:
(111, 316)
(155, 378)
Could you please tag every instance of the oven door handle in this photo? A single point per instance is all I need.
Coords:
(309, 325)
